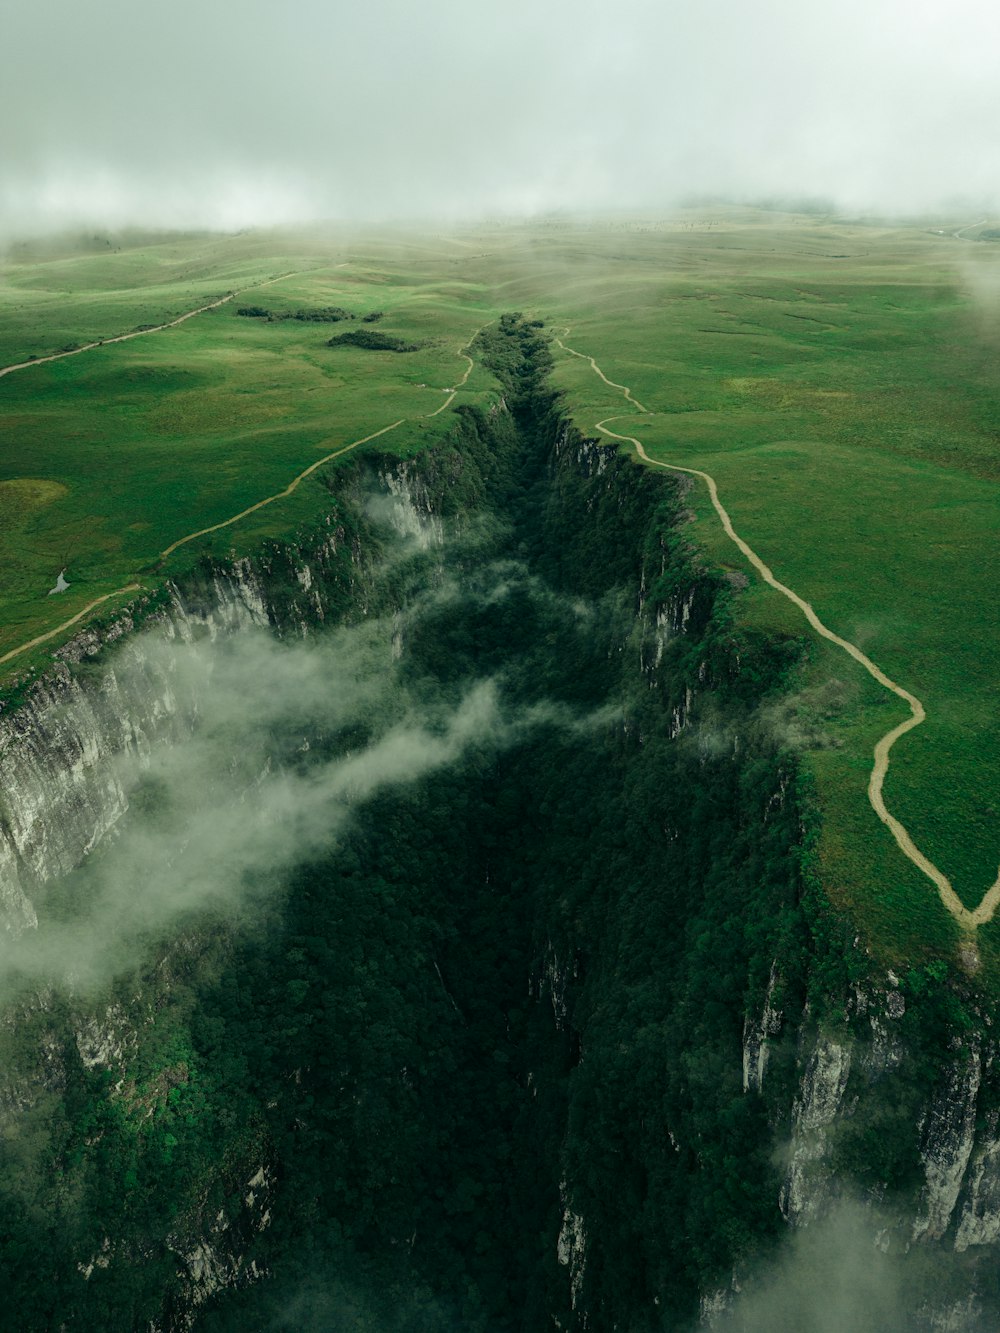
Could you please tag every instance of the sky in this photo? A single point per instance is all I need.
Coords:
(205, 112)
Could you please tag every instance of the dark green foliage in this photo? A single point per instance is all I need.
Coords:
(517, 986)
(514, 987)
(372, 341)
(576, 896)
(331, 314)
(520, 358)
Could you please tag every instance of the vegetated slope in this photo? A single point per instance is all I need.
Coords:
(614, 899)
(967, 919)
(491, 1057)
(238, 407)
(836, 379)
(449, 1036)
(835, 382)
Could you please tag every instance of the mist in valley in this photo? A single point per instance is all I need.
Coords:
(204, 117)
(851, 1268)
(277, 744)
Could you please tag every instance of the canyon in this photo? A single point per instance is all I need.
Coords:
(524, 1007)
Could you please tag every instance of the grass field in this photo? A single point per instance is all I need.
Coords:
(114, 454)
(840, 382)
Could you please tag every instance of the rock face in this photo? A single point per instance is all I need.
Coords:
(410, 508)
(59, 790)
(571, 1251)
(60, 797)
(857, 1080)
(817, 1105)
(757, 1037)
(61, 793)
(948, 1140)
(120, 693)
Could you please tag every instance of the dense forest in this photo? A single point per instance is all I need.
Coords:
(486, 1047)
(372, 341)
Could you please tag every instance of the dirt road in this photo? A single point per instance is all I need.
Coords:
(140, 333)
(216, 527)
(281, 495)
(461, 383)
(68, 624)
(968, 920)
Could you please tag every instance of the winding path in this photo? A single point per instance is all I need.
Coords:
(968, 227)
(968, 920)
(281, 495)
(215, 527)
(327, 458)
(141, 333)
(68, 624)
(600, 373)
(461, 383)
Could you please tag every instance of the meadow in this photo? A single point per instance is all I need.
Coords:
(838, 379)
(840, 384)
(114, 455)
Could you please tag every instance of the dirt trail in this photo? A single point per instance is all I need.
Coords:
(141, 333)
(968, 920)
(215, 527)
(968, 227)
(281, 495)
(68, 624)
(599, 372)
(327, 458)
(461, 383)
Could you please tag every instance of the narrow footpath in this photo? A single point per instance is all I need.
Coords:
(967, 919)
(270, 499)
(141, 333)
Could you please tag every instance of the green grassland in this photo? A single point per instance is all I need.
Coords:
(112, 455)
(839, 380)
(841, 385)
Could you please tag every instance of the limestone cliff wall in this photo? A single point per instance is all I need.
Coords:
(106, 696)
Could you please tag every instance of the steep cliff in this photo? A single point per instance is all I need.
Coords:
(547, 1025)
(61, 788)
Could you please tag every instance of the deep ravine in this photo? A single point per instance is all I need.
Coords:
(411, 928)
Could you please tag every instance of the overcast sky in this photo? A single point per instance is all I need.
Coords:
(232, 113)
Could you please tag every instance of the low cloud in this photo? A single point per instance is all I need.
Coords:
(454, 111)
(852, 1271)
(287, 740)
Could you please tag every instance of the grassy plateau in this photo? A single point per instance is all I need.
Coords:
(838, 379)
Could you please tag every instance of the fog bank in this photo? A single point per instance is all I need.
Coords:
(197, 114)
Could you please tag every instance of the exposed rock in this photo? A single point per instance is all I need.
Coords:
(411, 512)
(979, 1223)
(949, 1135)
(757, 1036)
(571, 1247)
(60, 783)
(807, 1186)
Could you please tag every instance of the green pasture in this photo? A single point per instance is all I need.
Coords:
(841, 385)
(840, 380)
(55, 297)
(113, 455)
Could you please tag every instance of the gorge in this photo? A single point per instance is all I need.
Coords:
(416, 927)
